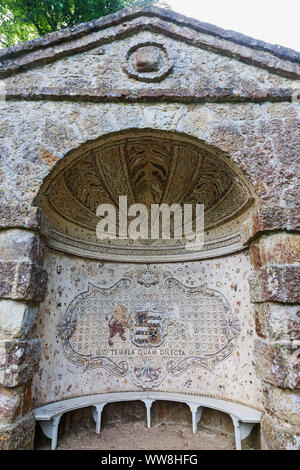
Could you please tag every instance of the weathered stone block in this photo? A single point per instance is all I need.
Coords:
(31, 282)
(21, 216)
(284, 404)
(261, 325)
(21, 245)
(278, 322)
(278, 435)
(276, 283)
(20, 435)
(277, 364)
(17, 320)
(24, 281)
(11, 400)
(282, 248)
(18, 360)
(255, 257)
(7, 277)
(269, 219)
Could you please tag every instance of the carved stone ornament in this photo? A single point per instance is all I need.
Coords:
(148, 62)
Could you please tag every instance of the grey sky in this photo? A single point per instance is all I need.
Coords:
(274, 21)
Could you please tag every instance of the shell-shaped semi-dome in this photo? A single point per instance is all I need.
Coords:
(148, 168)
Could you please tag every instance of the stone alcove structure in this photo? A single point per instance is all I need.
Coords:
(161, 108)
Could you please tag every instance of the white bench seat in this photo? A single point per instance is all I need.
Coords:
(243, 417)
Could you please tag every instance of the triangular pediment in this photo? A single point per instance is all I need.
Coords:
(149, 52)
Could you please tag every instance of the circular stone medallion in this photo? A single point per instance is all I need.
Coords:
(148, 62)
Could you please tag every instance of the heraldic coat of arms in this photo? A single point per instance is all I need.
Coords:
(147, 327)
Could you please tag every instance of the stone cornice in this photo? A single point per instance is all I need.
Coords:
(46, 49)
(183, 95)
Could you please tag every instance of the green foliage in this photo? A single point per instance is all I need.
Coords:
(21, 20)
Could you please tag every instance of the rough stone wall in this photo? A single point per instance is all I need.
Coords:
(275, 292)
(261, 139)
(259, 131)
(22, 287)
